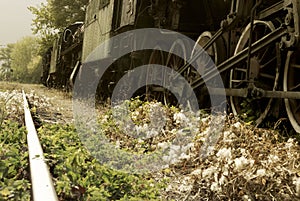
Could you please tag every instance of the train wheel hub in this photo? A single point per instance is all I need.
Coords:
(260, 73)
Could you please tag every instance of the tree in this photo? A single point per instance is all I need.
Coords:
(5, 59)
(35, 69)
(66, 12)
(22, 55)
(54, 16)
(42, 25)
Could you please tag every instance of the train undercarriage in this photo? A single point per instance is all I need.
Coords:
(262, 65)
(254, 44)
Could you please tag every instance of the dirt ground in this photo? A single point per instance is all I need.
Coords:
(53, 106)
(246, 163)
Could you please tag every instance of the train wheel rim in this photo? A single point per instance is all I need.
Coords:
(211, 51)
(217, 53)
(291, 83)
(157, 56)
(175, 62)
(265, 74)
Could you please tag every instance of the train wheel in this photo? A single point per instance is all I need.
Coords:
(155, 92)
(263, 73)
(211, 51)
(217, 53)
(175, 62)
(291, 82)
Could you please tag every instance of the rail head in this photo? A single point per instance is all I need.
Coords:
(41, 179)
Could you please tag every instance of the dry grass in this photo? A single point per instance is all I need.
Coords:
(246, 163)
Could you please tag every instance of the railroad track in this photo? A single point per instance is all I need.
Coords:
(42, 186)
(41, 179)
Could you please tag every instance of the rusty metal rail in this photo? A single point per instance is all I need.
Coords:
(41, 179)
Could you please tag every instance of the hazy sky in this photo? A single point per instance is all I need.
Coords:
(15, 19)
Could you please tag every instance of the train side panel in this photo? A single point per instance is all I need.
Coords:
(98, 25)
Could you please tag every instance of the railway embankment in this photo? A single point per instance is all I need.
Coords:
(242, 163)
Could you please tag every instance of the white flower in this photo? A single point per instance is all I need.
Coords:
(105, 119)
(237, 125)
(166, 159)
(118, 144)
(215, 187)
(224, 154)
(261, 172)
(140, 141)
(222, 180)
(228, 136)
(190, 145)
(173, 131)
(184, 156)
(246, 198)
(290, 143)
(134, 115)
(296, 182)
(152, 133)
(174, 161)
(180, 118)
(196, 172)
(174, 149)
(207, 173)
(169, 188)
(243, 151)
(226, 170)
(185, 184)
(163, 145)
(273, 158)
(242, 162)
(187, 147)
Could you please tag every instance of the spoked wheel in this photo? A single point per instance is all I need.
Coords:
(216, 51)
(291, 82)
(217, 54)
(154, 92)
(175, 62)
(263, 73)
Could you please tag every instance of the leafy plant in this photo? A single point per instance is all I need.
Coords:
(79, 176)
(14, 167)
(3, 112)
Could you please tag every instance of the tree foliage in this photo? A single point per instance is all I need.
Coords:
(5, 60)
(43, 26)
(24, 58)
(54, 16)
(66, 12)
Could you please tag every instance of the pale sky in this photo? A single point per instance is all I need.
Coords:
(15, 19)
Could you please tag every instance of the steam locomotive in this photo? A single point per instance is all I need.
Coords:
(62, 61)
(254, 44)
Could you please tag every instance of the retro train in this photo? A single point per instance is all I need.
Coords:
(254, 44)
